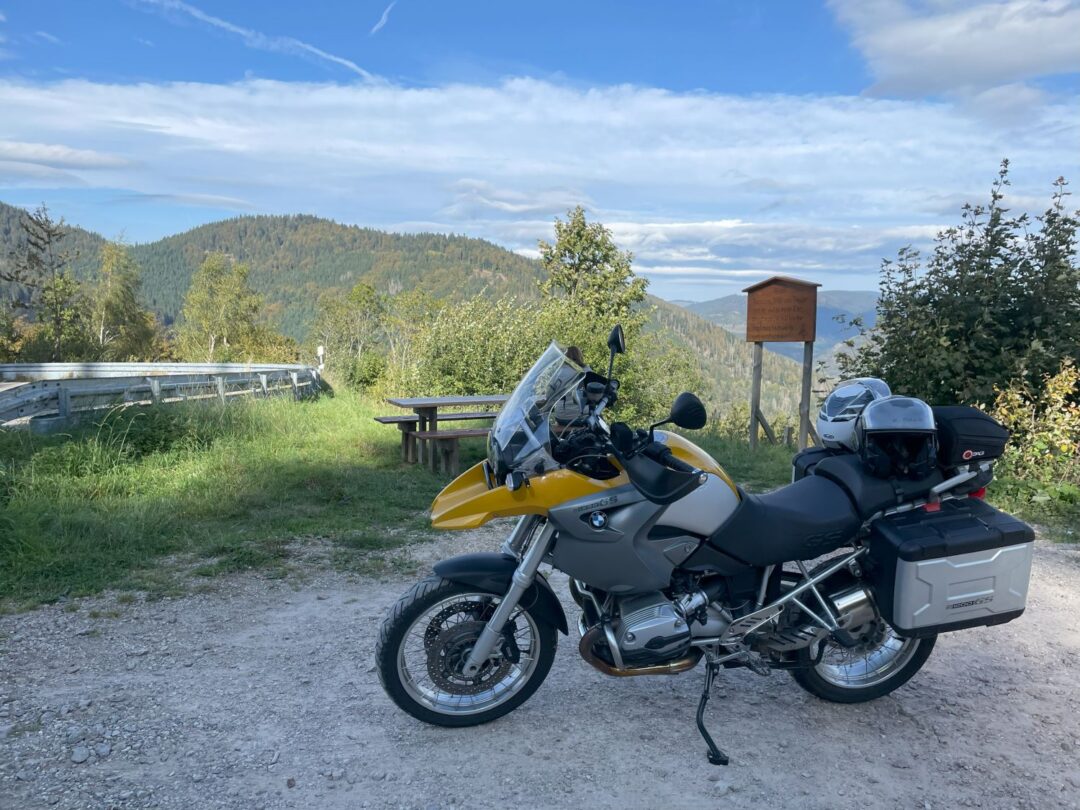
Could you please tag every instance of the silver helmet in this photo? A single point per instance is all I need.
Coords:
(836, 420)
(897, 437)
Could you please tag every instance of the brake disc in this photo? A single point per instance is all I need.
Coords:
(448, 652)
(478, 611)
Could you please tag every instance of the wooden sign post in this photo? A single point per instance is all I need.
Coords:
(781, 310)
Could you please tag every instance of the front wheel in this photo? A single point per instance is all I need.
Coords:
(881, 663)
(426, 640)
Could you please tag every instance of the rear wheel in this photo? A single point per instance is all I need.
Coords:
(871, 670)
(426, 640)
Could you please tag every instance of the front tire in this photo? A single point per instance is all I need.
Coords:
(863, 674)
(426, 638)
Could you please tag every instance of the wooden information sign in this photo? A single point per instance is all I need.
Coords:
(781, 310)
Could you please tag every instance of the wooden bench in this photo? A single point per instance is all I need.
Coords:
(407, 424)
(445, 455)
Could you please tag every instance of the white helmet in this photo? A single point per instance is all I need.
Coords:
(836, 420)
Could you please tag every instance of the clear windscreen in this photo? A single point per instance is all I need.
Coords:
(521, 436)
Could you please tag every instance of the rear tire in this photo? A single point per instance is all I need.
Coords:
(403, 670)
(862, 678)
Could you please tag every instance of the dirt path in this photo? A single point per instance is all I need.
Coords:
(262, 694)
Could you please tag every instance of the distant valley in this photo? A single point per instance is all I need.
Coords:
(729, 312)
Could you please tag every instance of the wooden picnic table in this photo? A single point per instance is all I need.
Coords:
(427, 418)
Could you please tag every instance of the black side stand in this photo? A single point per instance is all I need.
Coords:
(716, 756)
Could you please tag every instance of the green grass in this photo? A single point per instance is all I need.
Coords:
(758, 470)
(153, 500)
(1055, 509)
(147, 498)
(231, 488)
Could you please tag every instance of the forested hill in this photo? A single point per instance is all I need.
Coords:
(83, 245)
(726, 361)
(294, 259)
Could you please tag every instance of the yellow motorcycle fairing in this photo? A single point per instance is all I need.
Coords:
(467, 502)
(685, 450)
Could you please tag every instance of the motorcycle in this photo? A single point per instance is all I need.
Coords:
(842, 578)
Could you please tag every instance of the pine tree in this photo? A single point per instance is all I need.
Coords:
(40, 269)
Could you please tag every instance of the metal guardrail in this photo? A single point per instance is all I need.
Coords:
(65, 390)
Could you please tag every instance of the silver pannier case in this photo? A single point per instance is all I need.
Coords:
(964, 565)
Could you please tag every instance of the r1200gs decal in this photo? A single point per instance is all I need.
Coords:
(971, 602)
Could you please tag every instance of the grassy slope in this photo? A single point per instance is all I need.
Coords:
(149, 496)
(229, 485)
(222, 489)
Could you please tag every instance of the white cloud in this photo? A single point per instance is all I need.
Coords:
(944, 46)
(383, 19)
(58, 156)
(47, 37)
(698, 185)
(200, 200)
(257, 39)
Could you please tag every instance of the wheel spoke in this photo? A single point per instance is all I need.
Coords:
(869, 665)
(436, 645)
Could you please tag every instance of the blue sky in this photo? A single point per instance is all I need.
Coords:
(721, 141)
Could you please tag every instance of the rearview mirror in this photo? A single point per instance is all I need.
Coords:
(616, 340)
(688, 412)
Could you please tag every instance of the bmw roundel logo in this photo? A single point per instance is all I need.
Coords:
(598, 520)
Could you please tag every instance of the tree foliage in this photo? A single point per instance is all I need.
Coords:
(120, 329)
(484, 346)
(222, 318)
(997, 302)
(39, 271)
(586, 267)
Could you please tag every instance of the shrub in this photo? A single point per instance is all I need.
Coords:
(1044, 450)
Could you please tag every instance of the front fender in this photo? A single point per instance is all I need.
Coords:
(492, 573)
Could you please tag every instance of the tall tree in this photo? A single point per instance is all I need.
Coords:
(220, 314)
(586, 266)
(995, 303)
(40, 270)
(9, 334)
(121, 329)
(351, 326)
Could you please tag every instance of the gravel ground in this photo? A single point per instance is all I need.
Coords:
(262, 693)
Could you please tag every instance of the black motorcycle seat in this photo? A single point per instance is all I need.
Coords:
(800, 521)
(868, 493)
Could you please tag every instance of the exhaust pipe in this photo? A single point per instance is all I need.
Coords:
(595, 633)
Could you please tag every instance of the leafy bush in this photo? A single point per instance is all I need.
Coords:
(1042, 462)
(483, 347)
(996, 301)
(365, 371)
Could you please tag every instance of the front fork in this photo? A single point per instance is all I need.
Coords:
(523, 578)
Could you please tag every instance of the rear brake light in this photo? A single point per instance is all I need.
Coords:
(979, 493)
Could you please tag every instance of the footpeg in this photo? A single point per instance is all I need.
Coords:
(715, 755)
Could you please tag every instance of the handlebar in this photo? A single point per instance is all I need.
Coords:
(609, 397)
(663, 455)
